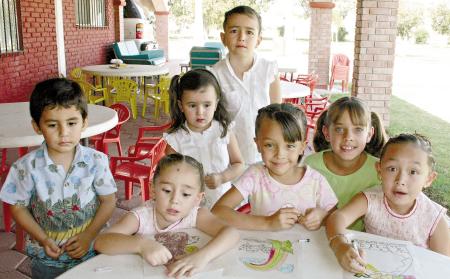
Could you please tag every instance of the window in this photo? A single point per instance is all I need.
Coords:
(90, 13)
(9, 28)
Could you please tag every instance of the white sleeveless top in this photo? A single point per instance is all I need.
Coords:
(416, 226)
(147, 220)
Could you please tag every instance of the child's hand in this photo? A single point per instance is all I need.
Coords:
(350, 259)
(284, 218)
(51, 249)
(213, 180)
(313, 218)
(154, 252)
(78, 245)
(187, 265)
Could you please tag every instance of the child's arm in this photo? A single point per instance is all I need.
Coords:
(275, 91)
(118, 239)
(313, 218)
(78, 245)
(337, 223)
(224, 208)
(224, 238)
(440, 239)
(23, 217)
(235, 169)
(169, 150)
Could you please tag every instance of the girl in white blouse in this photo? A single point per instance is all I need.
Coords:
(200, 129)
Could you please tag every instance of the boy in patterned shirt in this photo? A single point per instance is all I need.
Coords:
(62, 193)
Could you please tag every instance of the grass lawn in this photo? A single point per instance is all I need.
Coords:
(406, 117)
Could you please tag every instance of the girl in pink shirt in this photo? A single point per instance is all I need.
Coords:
(178, 189)
(280, 192)
(398, 209)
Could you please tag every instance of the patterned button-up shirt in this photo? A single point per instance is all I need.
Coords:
(62, 203)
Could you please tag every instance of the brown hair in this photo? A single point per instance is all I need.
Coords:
(243, 10)
(177, 158)
(419, 140)
(359, 114)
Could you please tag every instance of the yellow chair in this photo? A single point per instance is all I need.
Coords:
(126, 91)
(160, 95)
(92, 93)
(76, 74)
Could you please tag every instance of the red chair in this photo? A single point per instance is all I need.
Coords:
(133, 170)
(150, 139)
(112, 136)
(309, 80)
(4, 169)
(246, 208)
(340, 68)
(313, 107)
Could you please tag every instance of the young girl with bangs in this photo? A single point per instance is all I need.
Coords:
(280, 192)
(347, 165)
(200, 129)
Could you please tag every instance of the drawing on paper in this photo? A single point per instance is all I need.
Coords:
(178, 243)
(272, 254)
(387, 260)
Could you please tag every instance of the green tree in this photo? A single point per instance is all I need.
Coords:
(440, 18)
(407, 21)
(213, 10)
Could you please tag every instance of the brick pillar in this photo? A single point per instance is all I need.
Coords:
(118, 19)
(320, 41)
(376, 29)
(162, 31)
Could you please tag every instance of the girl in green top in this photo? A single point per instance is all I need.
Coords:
(346, 136)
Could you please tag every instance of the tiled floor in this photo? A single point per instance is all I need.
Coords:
(16, 265)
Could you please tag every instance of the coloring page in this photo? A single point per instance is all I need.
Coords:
(179, 244)
(271, 256)
(386, 259)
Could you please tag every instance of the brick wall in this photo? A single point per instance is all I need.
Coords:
(87, 46)
(375, 35)
(320, 41)
(19, 72)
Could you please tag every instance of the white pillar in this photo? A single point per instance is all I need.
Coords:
(60, 49)
(199, 38)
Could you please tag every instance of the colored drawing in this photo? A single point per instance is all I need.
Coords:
(387, 260)
(276, 258)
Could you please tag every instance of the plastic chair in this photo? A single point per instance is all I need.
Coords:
(246, 208)
(160, 96)
(309, 80)
(150, 140)
(126, 91)
(90, 91)
(313, 107)
(340, 68)
(4, 169)
(112, 136)
(130, 170)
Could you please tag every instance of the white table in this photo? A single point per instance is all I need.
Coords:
(16, 129)
(432, 264)
(126, 70)
(293, 89)
(284, 71)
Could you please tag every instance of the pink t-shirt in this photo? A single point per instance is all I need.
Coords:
(417, 226)
(267, 196)
(147, 220)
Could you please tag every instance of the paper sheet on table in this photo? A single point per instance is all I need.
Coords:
(387, 259)
(186, 242)
(268, 255)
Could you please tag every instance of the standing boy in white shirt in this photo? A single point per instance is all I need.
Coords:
(248, 82)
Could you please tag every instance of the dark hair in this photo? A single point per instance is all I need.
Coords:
(291, 119)
(195, 80)
(373, 147)
(242, 10)
(56, 92)
(177, 158)
(419, 140)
